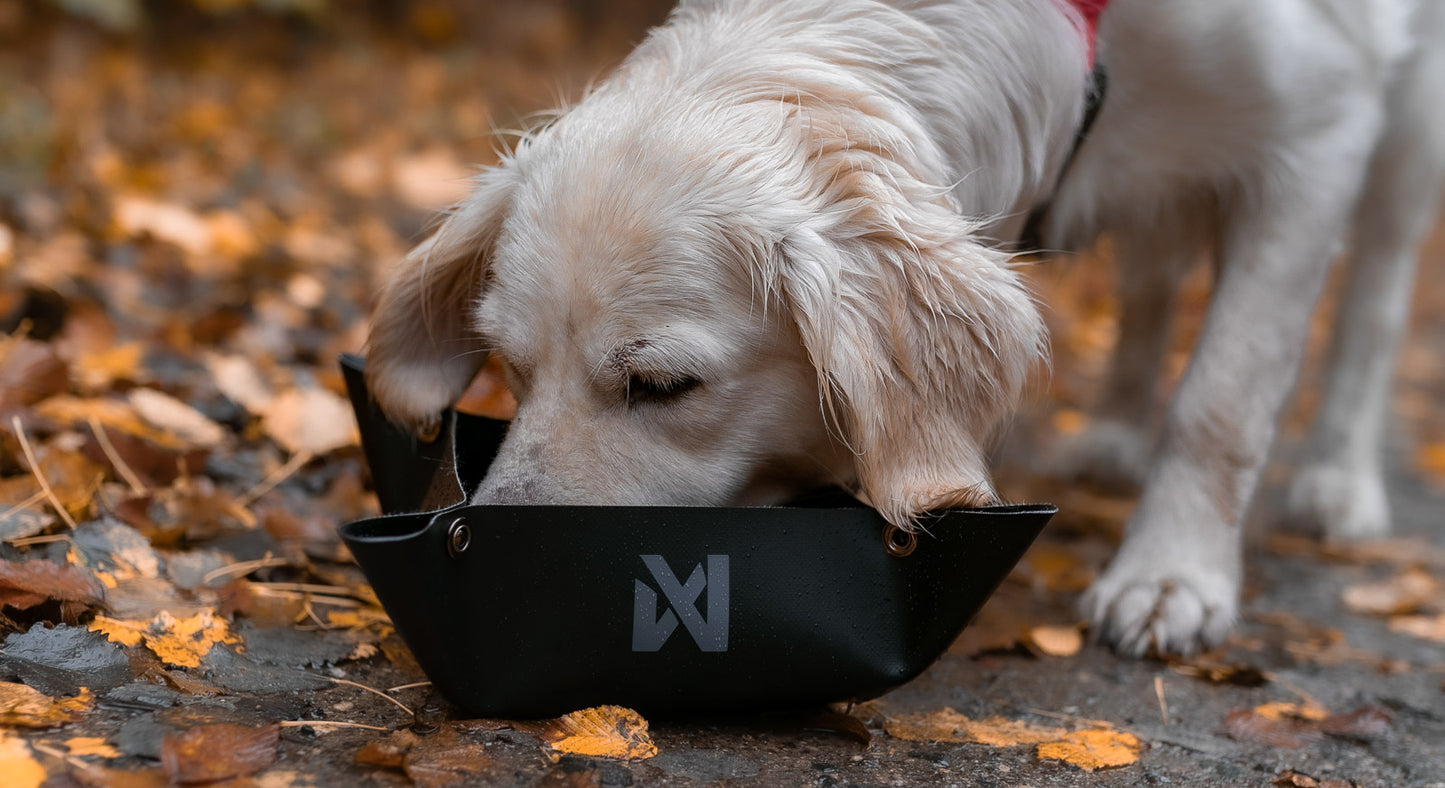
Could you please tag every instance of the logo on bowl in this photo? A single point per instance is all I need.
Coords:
(650, 630)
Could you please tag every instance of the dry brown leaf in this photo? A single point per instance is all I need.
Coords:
(22, 706)
(238, 379)
(947, 725)
(1095, 748)
(176, 224)
(1423, 627)
(1403, 593)
(29, 372)
(113, 414)
(176, 418)
(177, 641)
(310, 420)
(218, 752)
(1058, 568)
(1294, 779)
(1055, 641)
(25, 584)
(1220, 673)
(20, 768)
(600, 732)
(389, 752)
(99, 369)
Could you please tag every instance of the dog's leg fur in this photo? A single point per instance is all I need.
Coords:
(1285, 181)
(1340, 488)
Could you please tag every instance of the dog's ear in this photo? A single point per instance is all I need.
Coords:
(922, 338)
(422, 350)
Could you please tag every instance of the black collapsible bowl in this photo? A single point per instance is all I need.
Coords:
(534, 611)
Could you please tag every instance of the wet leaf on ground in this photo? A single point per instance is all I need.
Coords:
(60, 660)
(218, 752)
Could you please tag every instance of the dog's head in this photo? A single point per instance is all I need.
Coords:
(712, 304)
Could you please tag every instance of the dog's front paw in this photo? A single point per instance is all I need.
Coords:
(1141, 605)
(1110, 454)
(1341, 503)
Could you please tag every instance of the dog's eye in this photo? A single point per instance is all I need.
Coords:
(654, 388)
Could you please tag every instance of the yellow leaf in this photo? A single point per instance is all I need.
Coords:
(20, 770)
(25, 707)
(1095, 748)
(598, 732)
(100, 369)
(1056, 641)
(91, 745)
(947, 725)
(1280, 710)
(126, 633)
(177, 641)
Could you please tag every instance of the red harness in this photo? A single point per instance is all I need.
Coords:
(1090, 11)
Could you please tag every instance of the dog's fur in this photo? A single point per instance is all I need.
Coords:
(766, 254)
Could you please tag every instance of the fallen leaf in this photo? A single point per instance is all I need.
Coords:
(1282, 710)
(239, 380)
(22, 706)
(99, 369)
(310, 420)
(183, 422)
(1055, 641)
(947, 725)
(81, 746)
(20, 769)
(64, 659)
(1430, 459)
(1220, 673)
(25, 584)
(1423, 627)
(218, 752)
(601, 731)
(30, 371)
(139, 217)
(1294, 779)
(389, 752)
(1403, 593)
(1095, 748)
(1364, 724)
(1246, 725)
(177, 641)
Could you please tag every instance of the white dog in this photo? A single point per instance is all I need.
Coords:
(768, 254)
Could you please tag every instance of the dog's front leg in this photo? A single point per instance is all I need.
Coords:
(1174, 585)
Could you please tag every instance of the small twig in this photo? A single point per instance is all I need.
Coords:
(1163, 704)
(306, 588)
(43, 539)
(275, 477)
(376, 692)
(334, 601)
(25, 504)
(40, 475)
(412, 685)
(328, 724)
(136, 485)
(243, 568)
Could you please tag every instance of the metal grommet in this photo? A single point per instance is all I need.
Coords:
(898, 542)
(459, 537)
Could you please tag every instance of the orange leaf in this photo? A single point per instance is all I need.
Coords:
(599, 732)
(1095, 748)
